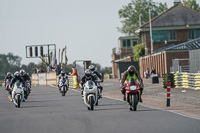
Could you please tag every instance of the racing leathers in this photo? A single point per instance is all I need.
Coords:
(7, 78)
(84, 80)
(126, 76)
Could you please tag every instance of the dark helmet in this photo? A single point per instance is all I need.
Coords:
(131, 70)
(88, 73)
(92, 67)
(9, 74)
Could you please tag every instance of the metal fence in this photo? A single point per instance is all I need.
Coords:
(194, 61)
(180, 65)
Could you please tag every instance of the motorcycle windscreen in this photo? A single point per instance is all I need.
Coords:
(131, 81)
(90, 83)
(18, 84)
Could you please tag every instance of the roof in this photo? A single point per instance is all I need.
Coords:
(189, 45)
(177, 15)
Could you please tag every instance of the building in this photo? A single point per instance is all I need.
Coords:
(173, 33)
(176, 25)
(123, 58)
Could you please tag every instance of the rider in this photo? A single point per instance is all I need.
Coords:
(16, 78)
(131, 73)
(8, 77)
(96, 75)
(25, 76)
(88, 76)
(62, 75)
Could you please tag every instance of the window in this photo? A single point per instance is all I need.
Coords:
(162, 36)
(134, 43)
(128, 43)
(191, 34)
(124, 43)
(172, 35)
(159, 36)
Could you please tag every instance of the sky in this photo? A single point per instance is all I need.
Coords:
(87, 27)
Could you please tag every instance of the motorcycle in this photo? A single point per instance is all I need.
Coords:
(8, 82)
(27, 89)
(17, 94)
(63, 86)
(132, 94)
(90, 94)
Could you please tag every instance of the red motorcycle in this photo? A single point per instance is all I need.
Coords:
(132, 93)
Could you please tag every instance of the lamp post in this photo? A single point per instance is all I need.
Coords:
(140, 23)
(150, 31)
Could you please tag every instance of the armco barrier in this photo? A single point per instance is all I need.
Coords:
(50, 78)
(44, 78)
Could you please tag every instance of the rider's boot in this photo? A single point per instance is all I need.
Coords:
(124, 98)
(141, 99)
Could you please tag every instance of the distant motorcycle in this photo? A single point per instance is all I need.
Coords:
(17, 94)
(132, 94)
(63, 86)
(90, 94)
(8, 82)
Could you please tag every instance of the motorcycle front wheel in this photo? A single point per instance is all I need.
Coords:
(133, 101)
(18, 101)
(91, 100)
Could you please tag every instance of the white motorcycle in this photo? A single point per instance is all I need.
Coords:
(17, 94)
(63, 86)
(90, 94)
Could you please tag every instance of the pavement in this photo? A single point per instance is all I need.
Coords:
(183, 101)
(46, 111)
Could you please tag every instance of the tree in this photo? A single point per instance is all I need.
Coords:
(191, 4)
(130, 14)
(107, 70)
(139, 50)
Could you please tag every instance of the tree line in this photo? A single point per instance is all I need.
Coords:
(12, 63)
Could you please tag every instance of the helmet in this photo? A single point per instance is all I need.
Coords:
(62, 73)
(9, 74)
(92, 67)
(16, 74)
(88, 73)
(22, 72)
(131, 70)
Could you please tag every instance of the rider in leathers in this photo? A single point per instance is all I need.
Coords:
(88, 76)
(8, 77)
(96, 75)
(24, 76)
(131, 73)
(62, 74)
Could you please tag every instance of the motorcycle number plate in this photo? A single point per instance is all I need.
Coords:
(133, 88)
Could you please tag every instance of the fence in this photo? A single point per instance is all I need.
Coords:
(50, 78)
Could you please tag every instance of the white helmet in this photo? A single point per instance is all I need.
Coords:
(92, 67)
(22, 72)
(16, 74)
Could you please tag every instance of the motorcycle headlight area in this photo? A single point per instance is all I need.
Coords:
(133, 88)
